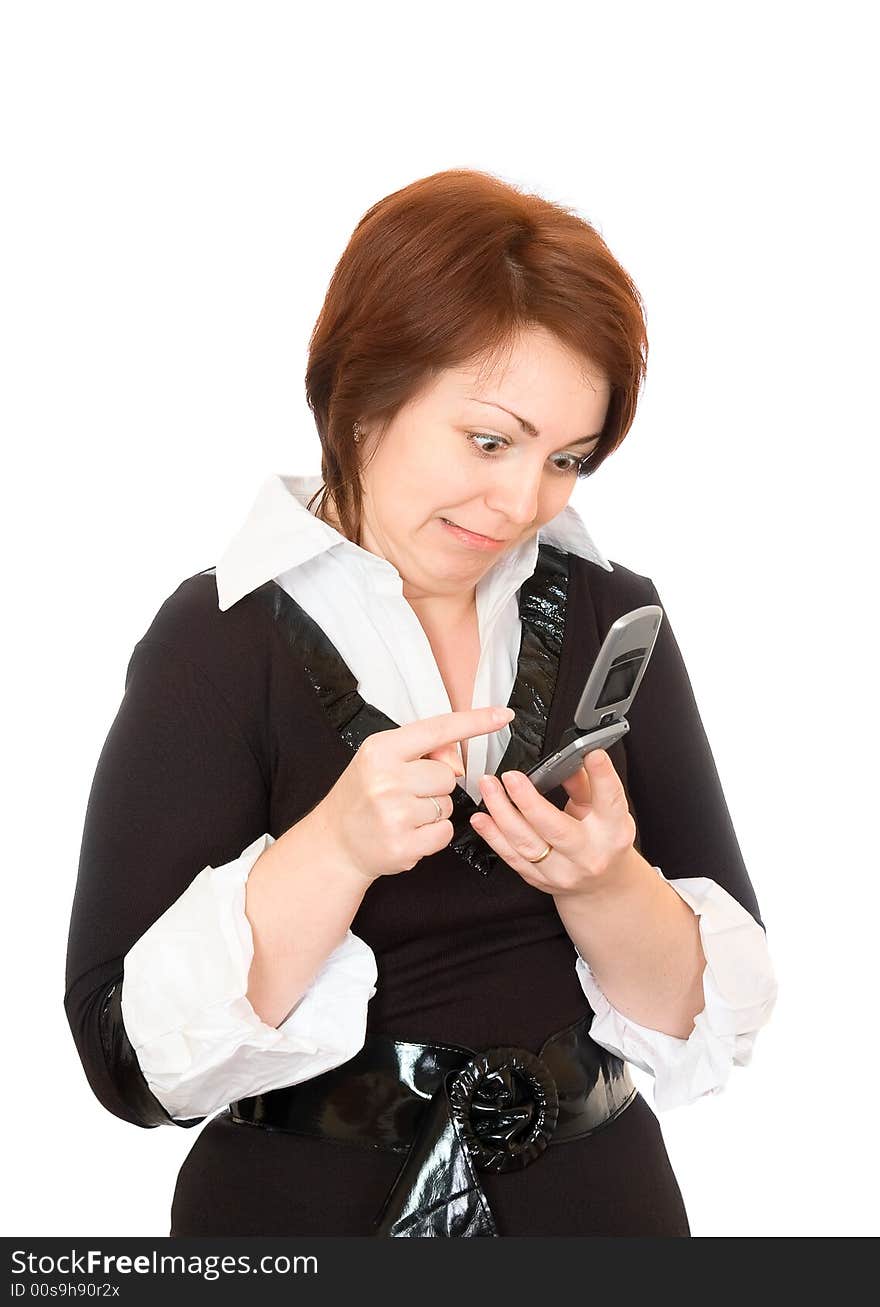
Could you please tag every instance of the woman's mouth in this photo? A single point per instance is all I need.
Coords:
(471, 538)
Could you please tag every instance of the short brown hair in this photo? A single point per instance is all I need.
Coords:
(447, 270)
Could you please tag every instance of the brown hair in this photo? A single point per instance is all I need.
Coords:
(443, 272)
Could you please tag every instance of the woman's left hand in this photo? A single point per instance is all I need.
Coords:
(589, 838)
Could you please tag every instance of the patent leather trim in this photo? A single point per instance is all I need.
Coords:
(428, 1102)
(542, 610)
(124, 1067)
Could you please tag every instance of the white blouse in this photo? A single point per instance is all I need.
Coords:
(198, 1040)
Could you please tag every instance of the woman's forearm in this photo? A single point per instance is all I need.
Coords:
(642, 943)
(302, 897)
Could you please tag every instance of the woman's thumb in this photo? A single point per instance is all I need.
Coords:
(451, 755)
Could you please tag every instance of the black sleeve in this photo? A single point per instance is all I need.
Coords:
(177, 788)
(684, 824)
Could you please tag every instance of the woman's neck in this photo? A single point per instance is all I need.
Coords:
(447, 613)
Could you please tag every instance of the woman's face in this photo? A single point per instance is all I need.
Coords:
(455, 453)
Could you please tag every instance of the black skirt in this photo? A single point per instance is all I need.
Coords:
(246, 1180)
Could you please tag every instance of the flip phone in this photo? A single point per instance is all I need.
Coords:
(600, 717)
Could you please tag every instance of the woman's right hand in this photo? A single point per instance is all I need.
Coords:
(378, 811)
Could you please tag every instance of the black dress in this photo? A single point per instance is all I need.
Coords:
(236, 723)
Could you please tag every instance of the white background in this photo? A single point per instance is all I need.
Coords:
(180, 180)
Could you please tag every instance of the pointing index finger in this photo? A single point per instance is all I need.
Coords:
(421, 737)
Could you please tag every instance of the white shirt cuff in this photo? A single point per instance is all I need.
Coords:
(198, 1040)
(740, 989)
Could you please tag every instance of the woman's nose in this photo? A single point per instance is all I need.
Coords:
(516, 493)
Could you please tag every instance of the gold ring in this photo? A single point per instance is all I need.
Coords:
(541, 856)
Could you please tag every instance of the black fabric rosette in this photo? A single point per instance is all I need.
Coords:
(496, 1113)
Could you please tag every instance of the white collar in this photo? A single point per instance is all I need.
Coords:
(279, 533)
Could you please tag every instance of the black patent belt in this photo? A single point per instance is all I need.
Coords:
(452, 1111)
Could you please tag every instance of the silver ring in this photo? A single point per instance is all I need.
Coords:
(437, 806)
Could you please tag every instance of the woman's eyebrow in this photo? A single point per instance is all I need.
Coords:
(527, 426)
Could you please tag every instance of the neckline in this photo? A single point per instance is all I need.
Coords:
(542, 601)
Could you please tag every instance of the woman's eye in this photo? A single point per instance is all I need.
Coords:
(571, 463)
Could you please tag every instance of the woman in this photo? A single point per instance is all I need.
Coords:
(408, 998)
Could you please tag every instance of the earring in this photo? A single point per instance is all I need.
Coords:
(357, 431)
